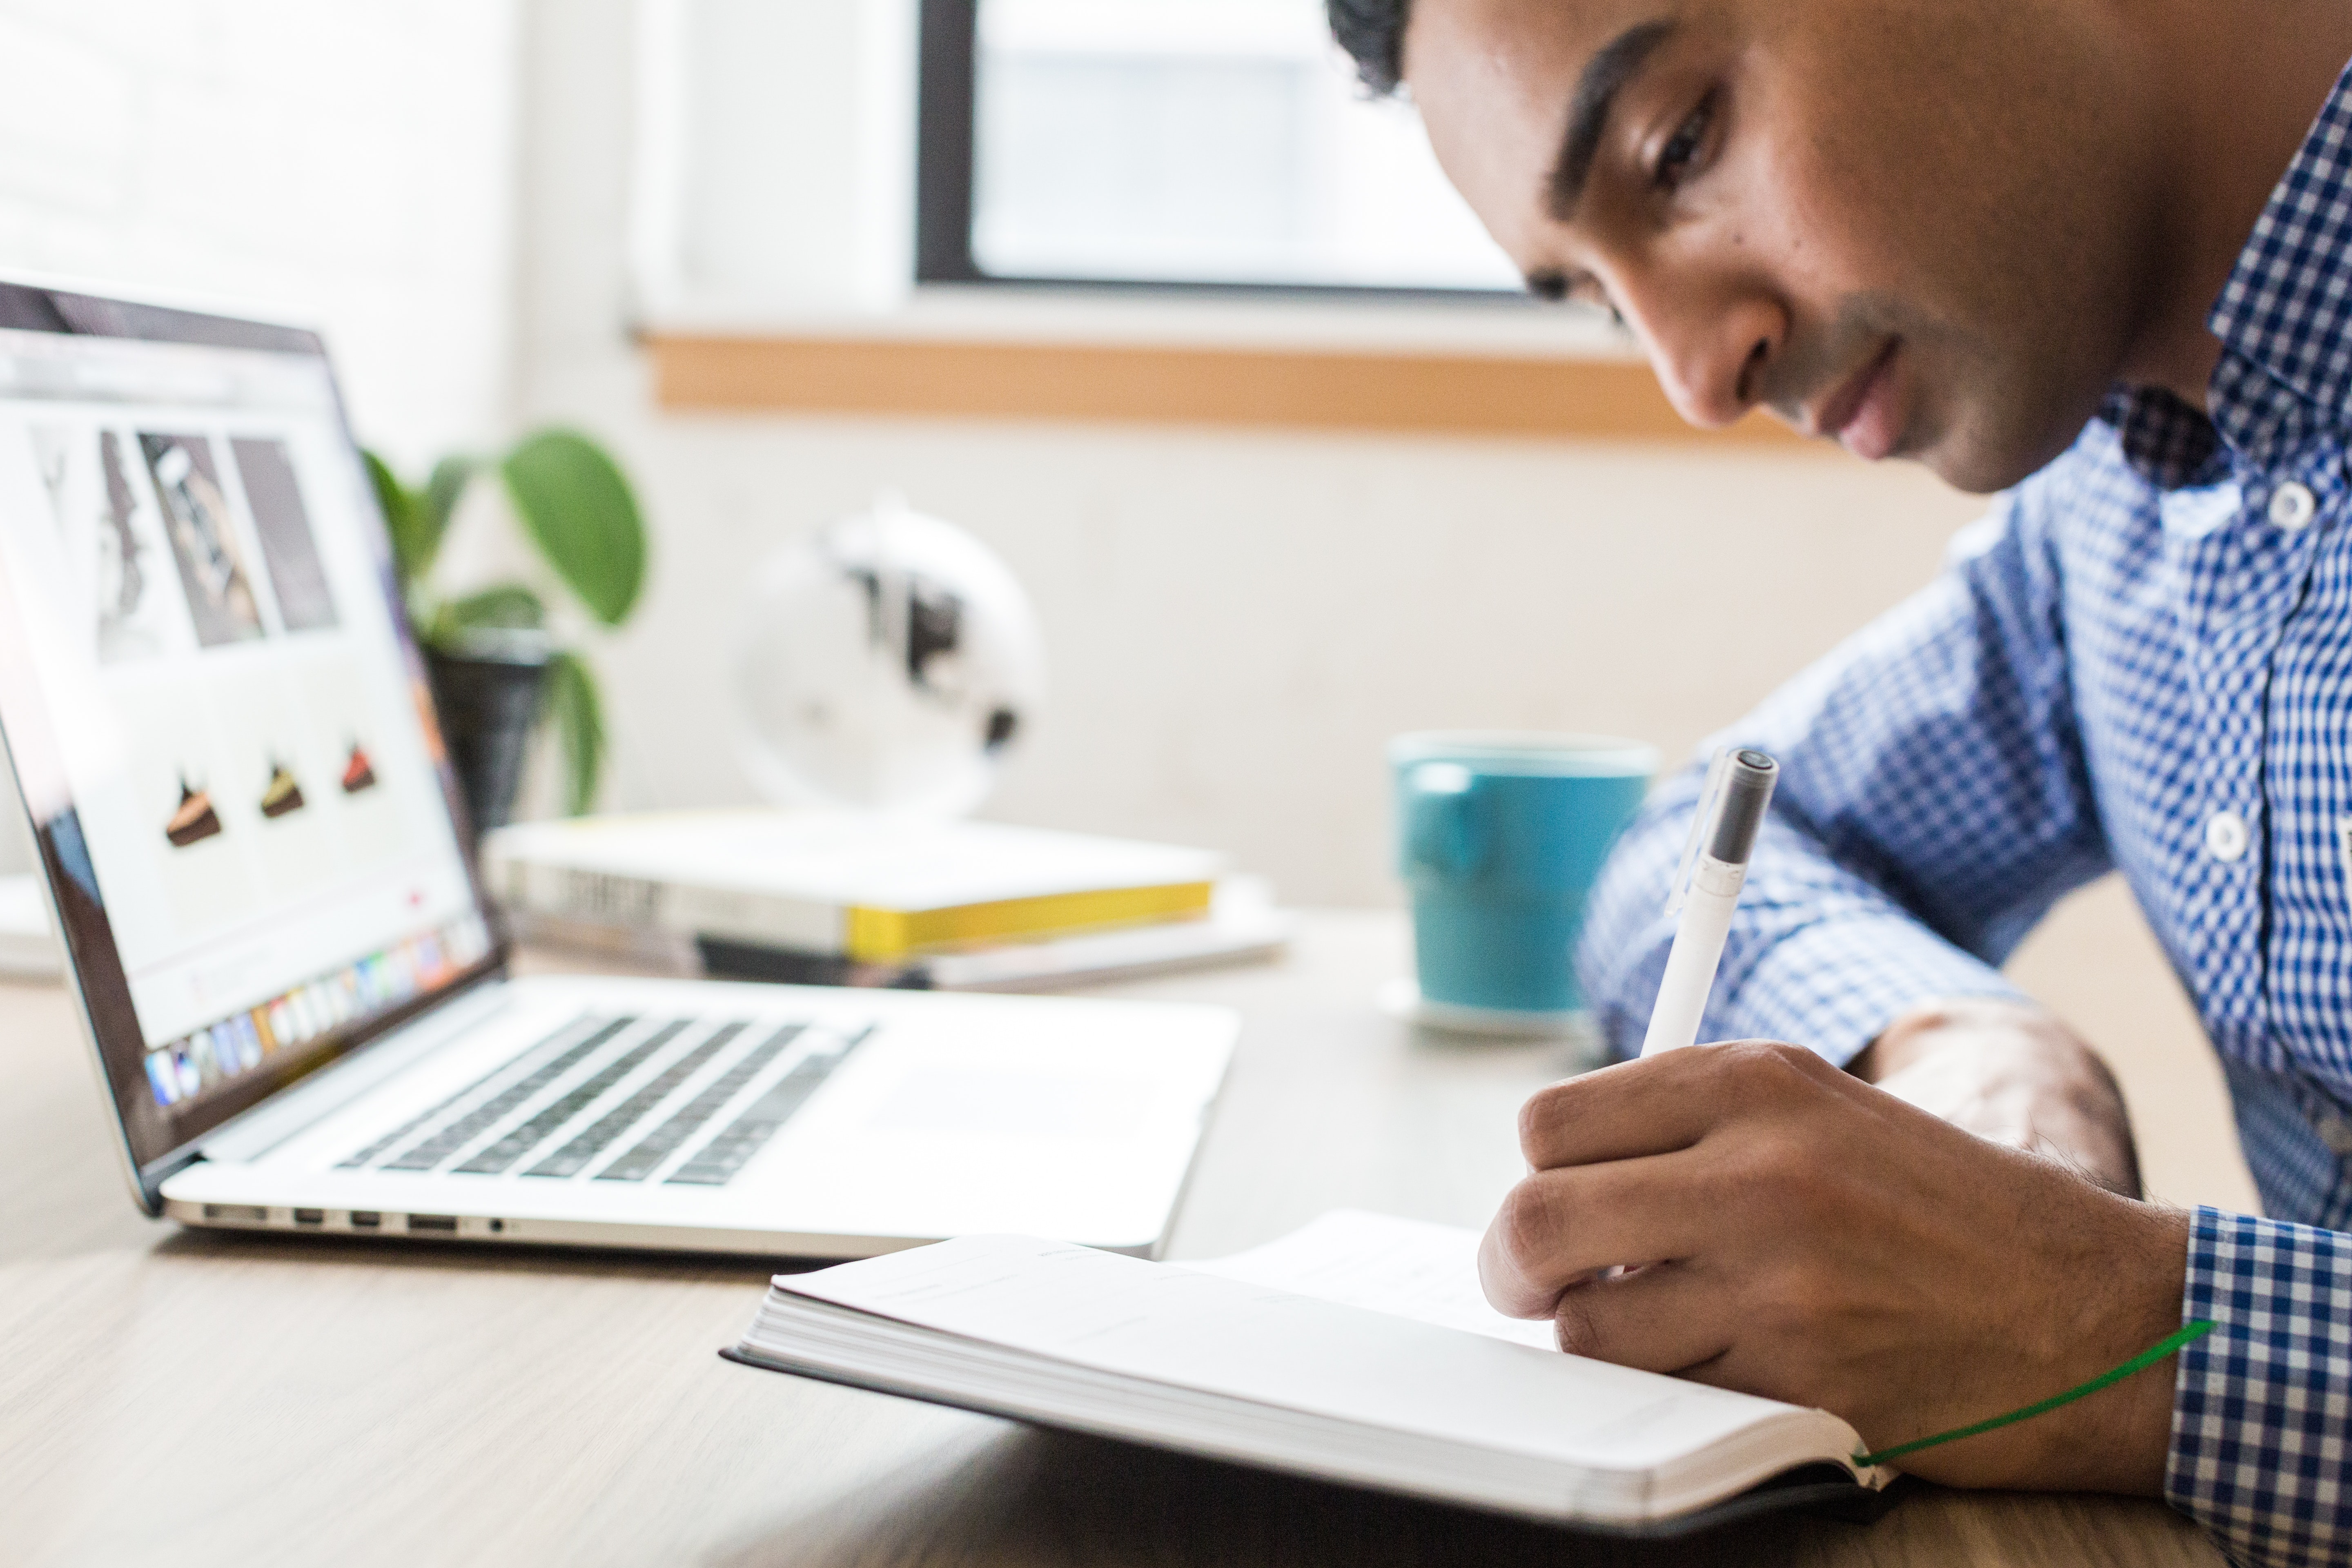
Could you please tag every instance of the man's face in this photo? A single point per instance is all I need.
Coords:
(1924, 229)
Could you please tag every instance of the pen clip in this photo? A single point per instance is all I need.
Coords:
(1710, 795)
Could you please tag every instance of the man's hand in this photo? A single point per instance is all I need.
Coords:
(1794, 1232)
(2013, 1073)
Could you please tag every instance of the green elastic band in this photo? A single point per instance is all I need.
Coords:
(2147, 1358)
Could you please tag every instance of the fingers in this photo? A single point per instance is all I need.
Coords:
(1667, 1317)
(1558, 1228)
(1661, 1103)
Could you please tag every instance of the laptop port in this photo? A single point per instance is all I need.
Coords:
(446, 1224)
(365, 1219)
(310, 1217)
(237, 1214)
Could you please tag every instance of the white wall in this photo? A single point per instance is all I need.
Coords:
(1236, 620)
(349, 165)
(351, 162)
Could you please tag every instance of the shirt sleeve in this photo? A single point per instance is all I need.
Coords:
(2262, 1405)
(1933, 805)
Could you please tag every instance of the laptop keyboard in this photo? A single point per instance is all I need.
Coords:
(581, 1152)
(601, 1083)
(657, 1146)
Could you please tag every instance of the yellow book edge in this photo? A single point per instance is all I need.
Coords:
(871, 935)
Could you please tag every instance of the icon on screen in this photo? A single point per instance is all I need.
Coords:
(284, 794)
(195, 819)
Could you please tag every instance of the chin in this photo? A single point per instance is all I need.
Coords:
(1980, 461)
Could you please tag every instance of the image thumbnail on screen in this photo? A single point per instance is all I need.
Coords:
(304, 602)
(203, 540)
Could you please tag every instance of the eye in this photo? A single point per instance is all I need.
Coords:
(1587, 290)
(1578, 288)
(1682, 149)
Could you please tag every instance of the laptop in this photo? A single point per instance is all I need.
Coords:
(292, 983)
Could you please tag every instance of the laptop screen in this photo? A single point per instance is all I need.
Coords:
(220, 724)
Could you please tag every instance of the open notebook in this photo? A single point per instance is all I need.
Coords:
(1357, 1349)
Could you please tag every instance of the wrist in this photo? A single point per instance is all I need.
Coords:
(2103, 1291)
(2010, 1072)
(2117, 1439)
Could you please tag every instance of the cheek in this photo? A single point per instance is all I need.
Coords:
(1777, 220)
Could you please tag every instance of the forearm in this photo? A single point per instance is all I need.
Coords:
(2011, 1073)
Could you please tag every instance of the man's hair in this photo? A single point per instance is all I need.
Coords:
(1373, 32)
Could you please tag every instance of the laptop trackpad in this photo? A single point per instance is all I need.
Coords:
(1026, 1105)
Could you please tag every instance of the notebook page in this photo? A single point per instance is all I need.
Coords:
(1407, 1267)
(1124, 1316)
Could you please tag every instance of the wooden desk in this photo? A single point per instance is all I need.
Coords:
(193, 1399)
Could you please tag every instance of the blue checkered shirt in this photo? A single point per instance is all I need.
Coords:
(2140, 660)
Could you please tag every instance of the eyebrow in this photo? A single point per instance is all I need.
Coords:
(1606, 73)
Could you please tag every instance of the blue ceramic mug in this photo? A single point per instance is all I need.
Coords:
(1499, 836)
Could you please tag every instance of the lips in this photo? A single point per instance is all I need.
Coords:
(1864, 416)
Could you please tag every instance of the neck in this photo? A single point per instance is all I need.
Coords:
(2242, 80)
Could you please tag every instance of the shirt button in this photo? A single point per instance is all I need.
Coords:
(2291, 506)
(2225, 835)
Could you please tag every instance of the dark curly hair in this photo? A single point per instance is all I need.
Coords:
(1373, 32)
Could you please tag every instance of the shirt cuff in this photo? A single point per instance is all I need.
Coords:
(2262, 1405)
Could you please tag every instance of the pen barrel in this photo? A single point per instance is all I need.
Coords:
(1691, 962)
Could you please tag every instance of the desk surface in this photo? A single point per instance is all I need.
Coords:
(207, 1399)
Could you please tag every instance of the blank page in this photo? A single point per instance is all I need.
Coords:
(1172, 1325)
(1408, 1267)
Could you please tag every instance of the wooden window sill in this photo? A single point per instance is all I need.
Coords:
(1440, 393)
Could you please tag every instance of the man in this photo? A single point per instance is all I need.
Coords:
(2099, 251)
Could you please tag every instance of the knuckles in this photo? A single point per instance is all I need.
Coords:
(1530, 1224)
(1541, 1116)
(1769, 1072)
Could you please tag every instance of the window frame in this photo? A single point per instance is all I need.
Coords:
(946, 141)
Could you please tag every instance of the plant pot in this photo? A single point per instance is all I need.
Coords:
(489, 688)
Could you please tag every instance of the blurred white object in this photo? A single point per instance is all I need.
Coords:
(888, 663)
(28, 944)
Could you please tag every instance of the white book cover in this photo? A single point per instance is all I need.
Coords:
(786, 877)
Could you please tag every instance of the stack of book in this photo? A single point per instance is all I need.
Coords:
(862, 898)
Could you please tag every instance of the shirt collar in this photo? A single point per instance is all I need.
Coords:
(2284, 320)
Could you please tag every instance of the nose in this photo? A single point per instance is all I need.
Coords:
(1712, 348)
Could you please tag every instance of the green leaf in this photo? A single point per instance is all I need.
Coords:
(579, 509)
(438, 503)
(508, 605)
(400, 519)
(579, 716)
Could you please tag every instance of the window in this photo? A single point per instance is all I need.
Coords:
(1194, 143)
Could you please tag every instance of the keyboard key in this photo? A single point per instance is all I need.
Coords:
(665, 1140)
(715, 1163)
(601, 1032)
(578, 1154)
(445, 1144)
(542, 1125)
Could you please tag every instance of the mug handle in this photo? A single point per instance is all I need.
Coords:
(1440, 830)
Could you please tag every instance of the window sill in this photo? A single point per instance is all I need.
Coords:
(1503, 367)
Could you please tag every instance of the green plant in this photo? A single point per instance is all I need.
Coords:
(578, 509)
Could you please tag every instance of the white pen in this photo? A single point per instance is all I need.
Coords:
(1706, 887)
